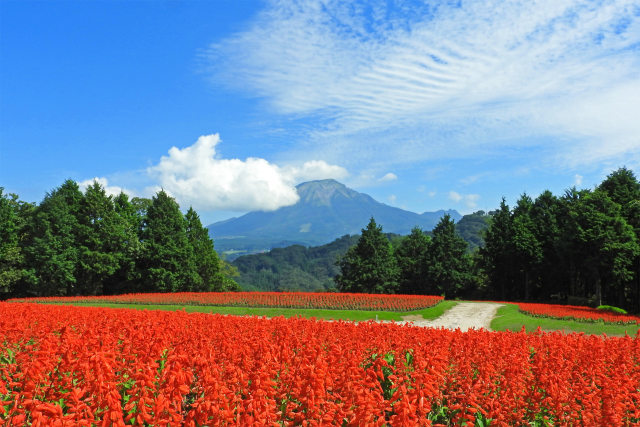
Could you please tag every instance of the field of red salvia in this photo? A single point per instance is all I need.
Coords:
(62, 365)
(335, 301)
(572, 312)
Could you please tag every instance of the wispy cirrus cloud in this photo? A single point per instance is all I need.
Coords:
(410, 81)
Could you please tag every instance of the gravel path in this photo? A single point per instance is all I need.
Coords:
(464, 315)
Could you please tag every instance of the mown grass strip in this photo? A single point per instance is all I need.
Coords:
(510, 318)
(356, 315)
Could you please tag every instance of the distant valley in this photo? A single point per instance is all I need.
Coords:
(326, 211)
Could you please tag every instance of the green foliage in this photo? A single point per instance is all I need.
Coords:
(13, 215)
(101, 240)
(52, 253)
(498, 252)
(211, 277)
(448, 263)
(369, 266)
(294, 268)
(611, 309)
(167, 262)
(411, 257)
(472, 227)
(93, 244)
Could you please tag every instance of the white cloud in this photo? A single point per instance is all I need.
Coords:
(111, 190)
(456, 197)
(390, 176)
(577, 180)
(313, 170)
(432, 193)
(392, 198)
(195, 176)
(469, 200)
(443, 80)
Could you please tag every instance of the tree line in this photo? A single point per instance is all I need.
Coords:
(582, 247)
(419, 263)
(91, 243)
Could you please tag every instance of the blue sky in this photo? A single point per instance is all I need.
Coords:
(229, 104)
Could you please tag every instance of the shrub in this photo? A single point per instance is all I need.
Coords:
(611, 309)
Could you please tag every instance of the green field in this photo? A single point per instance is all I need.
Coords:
(357, 315)
(509, 318)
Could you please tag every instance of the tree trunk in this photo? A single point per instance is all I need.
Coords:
(598, 291)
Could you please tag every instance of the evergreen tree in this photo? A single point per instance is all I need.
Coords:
(608, 247)
(411, 257)
(369, 266)
(208, 265)
(12, 262)
(129, 225)
(101, 241)
(497, 254)
(527, 248)
(167, 261)
(623, 188)
(448, 263)
(52, 252)
(546, 228)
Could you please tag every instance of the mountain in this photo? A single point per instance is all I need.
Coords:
(312, 269)
(326, 210)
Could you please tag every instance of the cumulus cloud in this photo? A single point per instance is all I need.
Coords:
(447, 79)
(390, 176)
(392, 198)
(111, 190)
(577, 180)
(469, 200)
(196, 176)
(313, 170)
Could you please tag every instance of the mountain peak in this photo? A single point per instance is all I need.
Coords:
(322, 192)
(327, 210)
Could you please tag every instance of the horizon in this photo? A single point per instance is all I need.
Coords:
(229, 105)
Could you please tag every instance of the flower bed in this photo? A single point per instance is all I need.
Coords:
(337, 301)
(63, 365)
(572, 312)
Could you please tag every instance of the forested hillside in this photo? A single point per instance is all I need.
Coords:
(300, 268)
(294, 268)
(89, 243)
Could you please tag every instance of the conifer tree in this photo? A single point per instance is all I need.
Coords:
(411, 257)
(206, 258)
(12, 261)
(167, 262)
(497, 254)
(448, 264)
(101, 241)
(129, 225)
(52, 252)
(369, 266)
(527, 248)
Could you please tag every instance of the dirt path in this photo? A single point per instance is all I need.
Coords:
(464, 315)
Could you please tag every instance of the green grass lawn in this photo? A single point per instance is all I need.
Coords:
(509, 318)
(358, 315)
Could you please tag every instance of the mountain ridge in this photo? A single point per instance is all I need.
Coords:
(327, 209)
